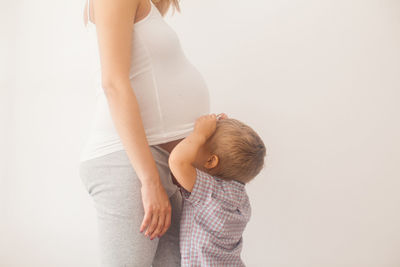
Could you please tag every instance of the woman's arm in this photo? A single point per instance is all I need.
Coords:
(114, 26)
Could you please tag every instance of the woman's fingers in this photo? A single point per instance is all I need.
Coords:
(167, 222)
(153, 224)
(160, 226)
(146, 221)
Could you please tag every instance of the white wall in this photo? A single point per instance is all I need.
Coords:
(319, 80)
(7, 87)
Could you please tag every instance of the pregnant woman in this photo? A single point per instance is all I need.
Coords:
(148, 98)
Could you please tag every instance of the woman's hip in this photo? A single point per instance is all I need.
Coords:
(114, 171)
(115, 189)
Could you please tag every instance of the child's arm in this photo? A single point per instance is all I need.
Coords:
(184, 154)
(181, 159)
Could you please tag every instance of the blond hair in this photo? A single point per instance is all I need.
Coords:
(164, 5)
(240, 151)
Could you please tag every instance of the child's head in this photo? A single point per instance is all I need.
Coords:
(237, 151)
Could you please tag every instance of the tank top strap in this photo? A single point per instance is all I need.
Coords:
(88, 11)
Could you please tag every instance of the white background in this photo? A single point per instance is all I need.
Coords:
(318, 79)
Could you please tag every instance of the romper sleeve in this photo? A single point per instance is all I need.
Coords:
(202, 189)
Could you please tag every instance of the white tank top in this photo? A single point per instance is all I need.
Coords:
(170, 91)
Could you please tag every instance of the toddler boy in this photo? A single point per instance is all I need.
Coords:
(212, 166)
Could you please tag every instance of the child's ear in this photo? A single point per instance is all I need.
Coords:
(211, 162)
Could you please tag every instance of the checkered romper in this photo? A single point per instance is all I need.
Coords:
(213, 218)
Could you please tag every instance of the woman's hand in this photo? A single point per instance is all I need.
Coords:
(157, 210)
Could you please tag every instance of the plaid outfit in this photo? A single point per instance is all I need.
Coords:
(213, 218)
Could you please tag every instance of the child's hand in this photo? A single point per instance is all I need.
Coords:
(206, 125)
(222, 116)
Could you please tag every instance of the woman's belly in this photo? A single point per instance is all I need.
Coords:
(167, 109)
(169, 106)
(170, 145)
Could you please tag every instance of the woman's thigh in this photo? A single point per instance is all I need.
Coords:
(115, 189)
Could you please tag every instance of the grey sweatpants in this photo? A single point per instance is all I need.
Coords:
(114, 187)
